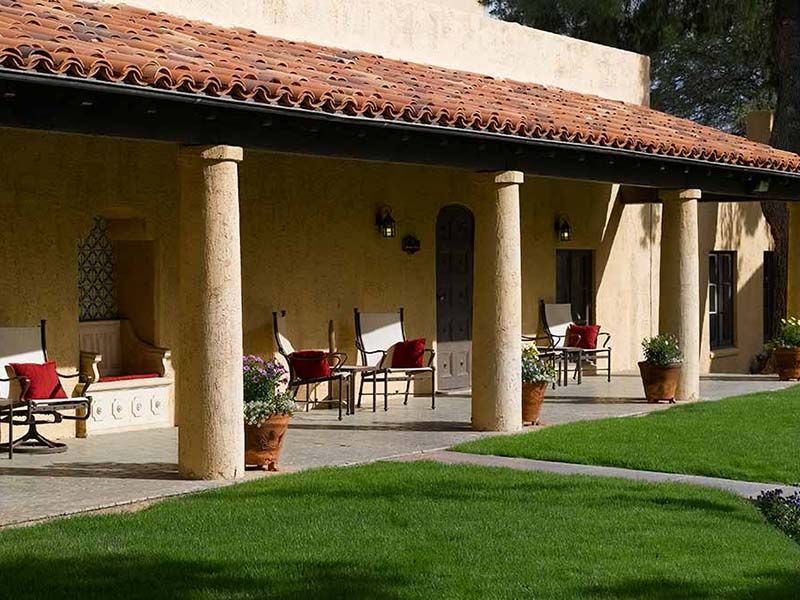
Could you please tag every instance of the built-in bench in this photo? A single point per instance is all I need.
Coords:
(131, 380)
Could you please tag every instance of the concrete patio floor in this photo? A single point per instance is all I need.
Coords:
(111, 470)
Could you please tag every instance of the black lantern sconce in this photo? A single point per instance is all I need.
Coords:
(385, 223)
(563, 229)
(411, 244)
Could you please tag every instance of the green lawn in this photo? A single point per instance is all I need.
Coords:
(391, 531)
(754, 437)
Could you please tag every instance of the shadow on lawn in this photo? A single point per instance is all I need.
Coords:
(774, 585)
(119, 576)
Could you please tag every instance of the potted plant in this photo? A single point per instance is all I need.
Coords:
(537, 374)
(786, 348)
(661, 367)
(268, 406)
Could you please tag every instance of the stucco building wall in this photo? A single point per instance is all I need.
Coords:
(450, 33)
(310, 246)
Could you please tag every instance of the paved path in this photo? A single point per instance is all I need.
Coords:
(747, 489)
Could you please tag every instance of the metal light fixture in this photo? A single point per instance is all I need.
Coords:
(385, 223)
(563, 230)
(411, 244)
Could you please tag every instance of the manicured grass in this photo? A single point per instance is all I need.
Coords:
(391, 531)
(754, 438)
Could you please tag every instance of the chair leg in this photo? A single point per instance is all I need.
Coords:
(340, 400)
(408, 387)
(385, 391)
(374, 392)
(609, 366)
(433, 389)
(360, 388)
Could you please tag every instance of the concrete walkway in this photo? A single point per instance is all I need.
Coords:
(747, 489)
(128, 468)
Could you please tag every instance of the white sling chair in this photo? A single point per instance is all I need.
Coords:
(556, 320)
(376, 335)
(29, 345)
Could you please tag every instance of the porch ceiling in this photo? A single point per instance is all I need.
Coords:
(123, 71)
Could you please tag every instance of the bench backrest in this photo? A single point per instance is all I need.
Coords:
(20, 345)
(103, 337)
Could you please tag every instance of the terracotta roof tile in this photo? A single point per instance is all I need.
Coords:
(143, 48)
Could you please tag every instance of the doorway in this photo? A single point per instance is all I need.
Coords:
(455, 227)
(574, 283)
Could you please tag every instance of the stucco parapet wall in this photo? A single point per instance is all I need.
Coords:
(680, 195)
(432, 33)
(211, 153)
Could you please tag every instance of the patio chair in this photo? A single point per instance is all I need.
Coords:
(295, 358)
(554, 356)
(28, 345)
(556, 321)
(377, 334)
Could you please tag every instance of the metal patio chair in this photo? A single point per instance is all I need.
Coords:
(29, 345)
(552, 355)
(376, 335)
(335, 360)
(556, 320)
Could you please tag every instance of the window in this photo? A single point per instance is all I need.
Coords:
(574, 283)
(770, 271)
(721, 286)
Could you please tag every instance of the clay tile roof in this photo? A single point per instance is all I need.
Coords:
(143, 48)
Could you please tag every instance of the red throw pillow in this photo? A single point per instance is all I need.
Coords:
(310, 364)
(583, 336)
(408, 354)
(44, 382)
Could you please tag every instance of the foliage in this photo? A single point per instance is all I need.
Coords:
(751, 438)
(788, 335)
(264, 390)
(782, 511)
(662, 350)
(534, 368)
(712, 60)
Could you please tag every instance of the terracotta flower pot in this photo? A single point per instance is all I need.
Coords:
(262, 443)
(660, 383)
(787, 363)
(532, 399)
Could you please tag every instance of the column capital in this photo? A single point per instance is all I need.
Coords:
(504, 177)
(689, 194)
(212, 153)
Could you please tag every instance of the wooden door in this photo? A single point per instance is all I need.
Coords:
(454, 249)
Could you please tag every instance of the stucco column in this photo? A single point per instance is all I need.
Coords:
(497, 305)
(209, 369)
(679, 304)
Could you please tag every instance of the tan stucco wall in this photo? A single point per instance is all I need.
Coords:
(433, 33)
(309, 243)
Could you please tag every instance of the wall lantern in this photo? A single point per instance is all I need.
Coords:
(563, 230)
(411, 244)
(385, 223)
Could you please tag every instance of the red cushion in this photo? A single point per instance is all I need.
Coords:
(128, 377)
(310, 364)
(583, 336)
(44, 382)
(408, 354)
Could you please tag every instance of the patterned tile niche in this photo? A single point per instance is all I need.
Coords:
(97, 290)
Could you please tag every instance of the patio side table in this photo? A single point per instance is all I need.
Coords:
(361, 370)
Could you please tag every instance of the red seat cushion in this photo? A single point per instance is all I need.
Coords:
(583, 336)
(128, 377)
(310, 364)
(44, 382)
(408, 354)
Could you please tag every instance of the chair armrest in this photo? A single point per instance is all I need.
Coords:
(431, 355)
(383, 354)
(339, 357)
(607, 336)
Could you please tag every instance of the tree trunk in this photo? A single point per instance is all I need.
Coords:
(785, 135)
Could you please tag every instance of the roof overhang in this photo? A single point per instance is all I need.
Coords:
(57, 103)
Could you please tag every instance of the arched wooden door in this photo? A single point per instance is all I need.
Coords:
(454, 255)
